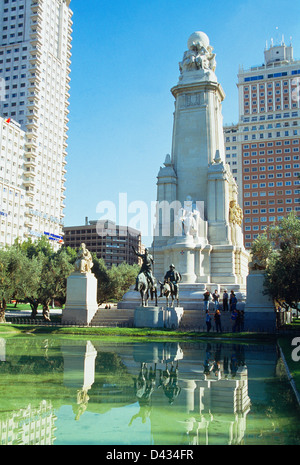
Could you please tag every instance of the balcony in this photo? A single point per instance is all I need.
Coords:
(36, 15)
(29, 202)
(35, 59)
(35, 27)
(35, 39)
(28, 223)
(28, 182)
(30, 163)
(32, 124)
(35, 75)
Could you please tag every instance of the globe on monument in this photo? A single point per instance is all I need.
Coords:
(198, 38)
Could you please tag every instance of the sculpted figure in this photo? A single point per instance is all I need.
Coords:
(257, 264)
(146, 267)
(173, 276)
(235, 213)
(84, 262)
(187, 219)
(199, 54)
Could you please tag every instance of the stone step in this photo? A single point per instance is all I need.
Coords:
(112, 317)
(191, 318)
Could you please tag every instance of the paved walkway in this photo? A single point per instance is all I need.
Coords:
(27, 313)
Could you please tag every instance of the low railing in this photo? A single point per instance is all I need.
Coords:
(201, 328)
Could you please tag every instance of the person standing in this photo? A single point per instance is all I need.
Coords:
(225, 301)
(232, 301)
(216, 297)
(208, 321)
(217, 318)
(206, 297)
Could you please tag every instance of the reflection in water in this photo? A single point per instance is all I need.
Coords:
(181, 393)
(29, 426)
(145, 384)
(79, 372)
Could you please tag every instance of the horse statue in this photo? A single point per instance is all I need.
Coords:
(145, 288)
(167, 291)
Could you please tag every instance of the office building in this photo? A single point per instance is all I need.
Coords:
(35, 51)
(109, 241)
(263, 148)
(12, 190)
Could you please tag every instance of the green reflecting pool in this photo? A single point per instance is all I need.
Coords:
(65, 391)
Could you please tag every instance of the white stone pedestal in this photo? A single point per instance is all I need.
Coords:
(81, 303)
(157, 317)
(260, 313)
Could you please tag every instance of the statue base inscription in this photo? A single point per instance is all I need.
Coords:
(81, 303)
(158, 317)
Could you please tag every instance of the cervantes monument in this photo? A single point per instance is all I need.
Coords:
(198, 219)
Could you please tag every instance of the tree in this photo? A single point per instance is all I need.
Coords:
(23, 273)
(103, 281)
(121, 278)
(113, 283)
(34, 272)
(53, 269)
(281, 246)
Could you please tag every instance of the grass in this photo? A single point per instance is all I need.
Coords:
(146, 334)
(20, 307)
(285, 342)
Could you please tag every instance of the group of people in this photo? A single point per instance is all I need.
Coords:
(229, 304)
(229, 301)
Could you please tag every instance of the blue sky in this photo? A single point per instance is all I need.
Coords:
(125, 59)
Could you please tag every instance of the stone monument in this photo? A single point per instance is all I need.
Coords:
(198, 219)
(260, 312)
(81, 302)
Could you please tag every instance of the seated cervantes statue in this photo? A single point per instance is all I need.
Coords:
(84, 262)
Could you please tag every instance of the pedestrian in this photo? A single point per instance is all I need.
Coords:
(232, 301)
(206, 297)
(215, 297)
(225, 301)
(217, 318)
(208, 321)
(234, 316)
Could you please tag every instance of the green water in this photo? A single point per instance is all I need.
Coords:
(65, 391)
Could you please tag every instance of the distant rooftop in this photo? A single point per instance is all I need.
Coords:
(276, 54)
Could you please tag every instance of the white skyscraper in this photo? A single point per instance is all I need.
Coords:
(35, 52)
